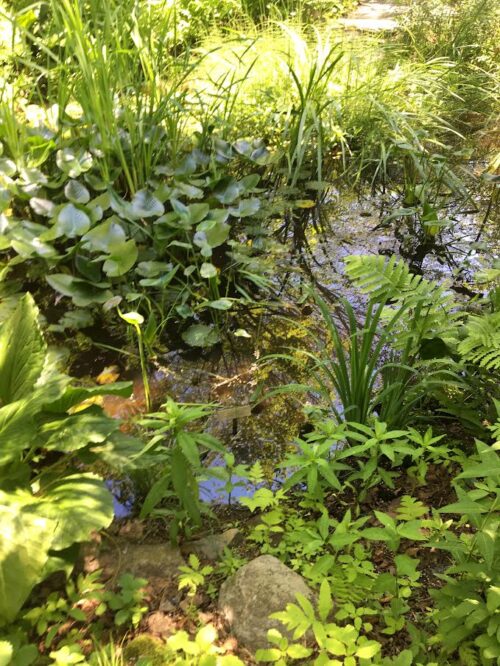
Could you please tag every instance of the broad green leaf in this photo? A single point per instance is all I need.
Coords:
(221, 304)
(82, 292)
(145, 204)
(368, 650)
(245, 208)
(77, 431)
(268, 655)
(22, 352)
(465, 506)
(208, 271)
(106, 236)
(6, 651)
(150, 269)
(121, 259)
(298, 651)
(7, 166)
(133, 318)
(72, 162)
(42, 206)
(76, 192)
(26, 539)
(71, 222)
(78, 504)
(17, 428)
(325, 603)
(200, 335)
(493, 599)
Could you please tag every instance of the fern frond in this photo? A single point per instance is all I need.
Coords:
(431, 308)
(468, 654)
(482, 344)
(381, 278)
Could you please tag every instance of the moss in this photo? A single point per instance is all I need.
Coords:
(147, 646)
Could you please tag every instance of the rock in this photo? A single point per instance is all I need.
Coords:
(161, 625)
(211, 547)
(149, 561)
(261, 587)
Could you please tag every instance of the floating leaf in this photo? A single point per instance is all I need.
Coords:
(200, 335)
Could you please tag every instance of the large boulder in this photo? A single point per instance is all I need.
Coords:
(261, 587)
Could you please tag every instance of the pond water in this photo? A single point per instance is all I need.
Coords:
(264, 430)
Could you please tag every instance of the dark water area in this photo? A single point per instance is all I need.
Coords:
(248, 424)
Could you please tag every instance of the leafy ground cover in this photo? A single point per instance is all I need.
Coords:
(172, 181)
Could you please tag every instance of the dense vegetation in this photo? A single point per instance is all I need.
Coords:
(170, 178)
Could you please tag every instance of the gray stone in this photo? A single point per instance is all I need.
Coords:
(212, 547)
(261, 587)
(141, 560)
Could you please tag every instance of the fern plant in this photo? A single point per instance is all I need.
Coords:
(482, 342)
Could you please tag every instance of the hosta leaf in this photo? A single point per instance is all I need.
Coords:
(26, 539)
(17, 429)
(76, 192)
(78, 504)
(145, 204)
(6, 651)
(22, 352)
(77, 431)
(121, 259)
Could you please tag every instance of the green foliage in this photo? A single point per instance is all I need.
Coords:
(47, 502)
(331, 639)
(181, 461)
(128, 602)
(201, 651)
(282, 651)
(468, 605)
(193, 575)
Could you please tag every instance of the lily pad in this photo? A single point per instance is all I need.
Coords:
(200, 335)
